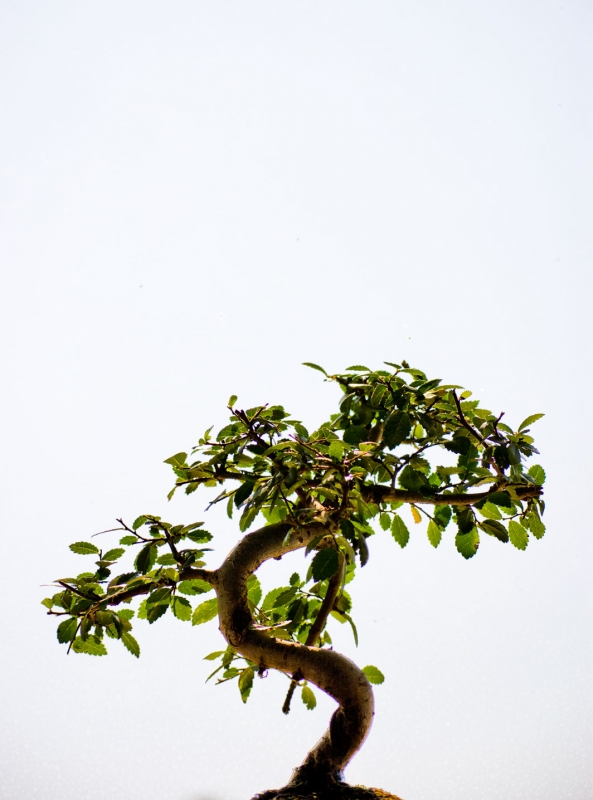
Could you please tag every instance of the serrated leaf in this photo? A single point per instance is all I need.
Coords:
(139, 522)
(181, 608)
(308, 698)
(93, 646)
(146, 558)
(537, 473)
(397, 428)
(314, 366)
(416, 515)
(536, 526)
(399, 531)
(467, 543)
(530, 420)
(518, 535)
(128, 540)
(336, 449)
(194, 587)
(374, 674)
(213, 656)
(490, 511)
(84, 548)
(154, 612)
(385, 521)
(178, 460)
(131, 644)
(277, 597)
(495, 528)
(205, 612)
(113, 555)
(325, 564)
(246, 683)
(500, 499)
(434, 533)
(67, 629)
(254, 591)
(167, 560)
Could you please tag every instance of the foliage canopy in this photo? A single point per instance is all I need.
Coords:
(397, 439)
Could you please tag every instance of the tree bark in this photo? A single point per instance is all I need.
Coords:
(331, 672)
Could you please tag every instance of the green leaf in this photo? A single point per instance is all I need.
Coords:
(412, 479)
(167, 560)
(500, 499)
(537, 473)
(67, 630)
(467, 543)
(385, 521)
(357, 368)
(308, 698)
(442, 516)
(465, 520)
(535, 525)
(146, 558)
(399, 531)
(314, 366)
(84, 548)
(374, 674)
(397, 428)
(243, 492)
(518, 535)
(181, 608)
(434, 533)
(128, 540)
(325, 564)
(336, 449)
(131, 644)
(93, 646)
(355, 434)
(495, 528)
(254, 591)
(278, 597)
(194, 587)
(113, 555)
(232, 400)
(205, 612)
(490, 511)
(213, 656)
(246, 683)
(530, 420)
(178, 460)
(139, 522)
(154, 612)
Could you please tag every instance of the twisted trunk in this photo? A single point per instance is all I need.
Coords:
(331, 672)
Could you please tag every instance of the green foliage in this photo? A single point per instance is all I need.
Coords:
(373, 674)
(308, 697)
(397, 438)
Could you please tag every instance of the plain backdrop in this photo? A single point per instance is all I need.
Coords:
(198, 196)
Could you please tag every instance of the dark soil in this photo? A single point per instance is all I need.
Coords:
(342, 791)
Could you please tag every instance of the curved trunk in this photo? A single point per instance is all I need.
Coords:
(331, 672)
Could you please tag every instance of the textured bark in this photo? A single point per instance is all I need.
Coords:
(331, 672)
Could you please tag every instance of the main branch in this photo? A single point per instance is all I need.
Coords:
(331, 672)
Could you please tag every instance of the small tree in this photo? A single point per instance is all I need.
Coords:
(320, 491)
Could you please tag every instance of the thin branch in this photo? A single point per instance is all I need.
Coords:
(333, 589)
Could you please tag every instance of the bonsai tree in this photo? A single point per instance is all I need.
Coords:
(396, 439)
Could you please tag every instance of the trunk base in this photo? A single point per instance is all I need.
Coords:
(336, 791)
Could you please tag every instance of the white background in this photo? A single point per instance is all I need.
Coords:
(198, 196)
